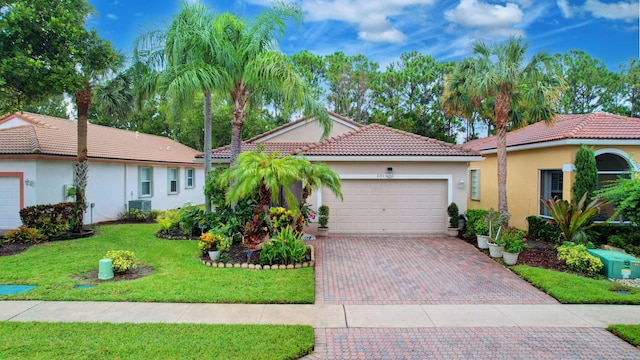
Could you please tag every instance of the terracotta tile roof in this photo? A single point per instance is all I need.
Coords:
(379, 140)
(55, 136)
(581, 126)
(282, 147)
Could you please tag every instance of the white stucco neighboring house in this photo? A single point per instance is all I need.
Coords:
(37, 153)
(392, 181)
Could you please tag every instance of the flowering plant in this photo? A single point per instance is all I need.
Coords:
(512, 239)
(212, 242)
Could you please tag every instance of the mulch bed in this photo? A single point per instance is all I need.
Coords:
(91, 277)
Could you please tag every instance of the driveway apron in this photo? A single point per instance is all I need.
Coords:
(436, 269)
(406, 269)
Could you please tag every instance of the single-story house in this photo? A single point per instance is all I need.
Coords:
(540, 161)
(37, 153)
(392, 181)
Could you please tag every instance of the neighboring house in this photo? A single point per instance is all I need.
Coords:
(541, 156)
(392, 181)
(37, 153)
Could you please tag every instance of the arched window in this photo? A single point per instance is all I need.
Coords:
(612, 164)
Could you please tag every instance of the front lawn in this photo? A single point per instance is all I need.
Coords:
(573, 289)
(36, 340)
(628, 333)
(178, 276)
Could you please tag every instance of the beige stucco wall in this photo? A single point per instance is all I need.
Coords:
(310, 131)
(523, 170)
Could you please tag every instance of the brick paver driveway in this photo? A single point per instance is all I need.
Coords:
(413, 269)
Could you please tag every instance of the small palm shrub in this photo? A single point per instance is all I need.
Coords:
(24, 235)
(285, 248)
(578, 258)
(123, 260)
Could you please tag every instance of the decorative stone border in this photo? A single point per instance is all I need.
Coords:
(305, 264)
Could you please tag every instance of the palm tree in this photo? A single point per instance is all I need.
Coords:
(521, 92)
(271, 172)
(98, 58)
(249, 66)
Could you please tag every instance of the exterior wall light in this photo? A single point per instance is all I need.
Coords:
(461, 184)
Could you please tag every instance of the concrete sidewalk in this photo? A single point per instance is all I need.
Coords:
(326, 316)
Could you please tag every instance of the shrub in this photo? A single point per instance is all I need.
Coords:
(573, 218)
(586, 174)
(40, 216)
(624, 195)
(285, 248)
(281, 218)
(123, 260)
(494, 220)
(24, 235)
(214, 242)
(629, 242)
(454, 213)
(323, 215)
(540, 229)
(512, 239)
(169, 220)
(191, 218)
(475, 222)
(134, 215)
(578, 258)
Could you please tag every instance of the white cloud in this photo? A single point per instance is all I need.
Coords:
(472, 13)
(373, 18)
(565, 8)
(112, 17)
(614, 11)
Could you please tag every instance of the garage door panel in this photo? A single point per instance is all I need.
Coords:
(9, 202)
(389, 206)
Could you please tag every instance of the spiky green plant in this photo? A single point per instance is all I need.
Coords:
(573, 218)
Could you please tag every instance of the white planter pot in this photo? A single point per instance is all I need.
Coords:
(452, 231)
(495, 251)
(323, 231)
(510, 258)
(483, 241)
(214, 255)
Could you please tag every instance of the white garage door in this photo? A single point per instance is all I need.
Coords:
(9, 202)
(389, 206)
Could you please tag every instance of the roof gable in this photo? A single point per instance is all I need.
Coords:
(55, 136)
(379, 140)
(573, 126)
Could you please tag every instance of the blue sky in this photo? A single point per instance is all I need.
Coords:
(384, 29)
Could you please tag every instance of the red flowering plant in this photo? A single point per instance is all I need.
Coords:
(513, 240)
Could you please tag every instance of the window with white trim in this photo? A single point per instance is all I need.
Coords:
(551, 183)
(172, 180)
(474, 181)
(145, 181)
(189, 178)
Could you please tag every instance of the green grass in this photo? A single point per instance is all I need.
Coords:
(574, 289)
(628, 333)
(36, 340)
(178, 275)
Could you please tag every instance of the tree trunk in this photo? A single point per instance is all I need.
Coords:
(502, 115)
(237, 121)
(83, 101)
(207, 146)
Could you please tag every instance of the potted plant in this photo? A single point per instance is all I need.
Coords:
(482, 234)
(323, 220)
(495, 245)
(494, 222)
(454, 219)
(513, 243)
(213, 244)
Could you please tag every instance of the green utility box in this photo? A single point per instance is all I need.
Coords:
(617, 265)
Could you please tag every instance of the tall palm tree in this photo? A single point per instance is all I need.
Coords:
(98, 58)
(250, 66)
(521, 92)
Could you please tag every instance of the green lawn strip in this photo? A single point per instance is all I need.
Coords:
(574, 289)
(38, 340)
(628, 333)
(178, 274)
